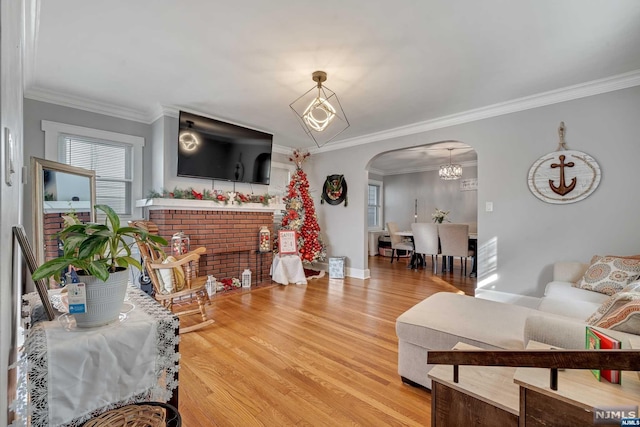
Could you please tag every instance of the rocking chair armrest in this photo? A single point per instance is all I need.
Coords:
(179, 263)
(198, 251)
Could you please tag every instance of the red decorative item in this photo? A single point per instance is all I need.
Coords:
(197, 195)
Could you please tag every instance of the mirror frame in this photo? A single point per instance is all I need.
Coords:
(37, 190)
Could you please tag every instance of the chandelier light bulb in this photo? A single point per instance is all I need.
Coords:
(319, 114)
(450, 171)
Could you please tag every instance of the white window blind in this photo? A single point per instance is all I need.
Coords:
(112, 162)
(374, 206)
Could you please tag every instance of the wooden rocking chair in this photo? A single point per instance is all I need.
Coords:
(194, 286)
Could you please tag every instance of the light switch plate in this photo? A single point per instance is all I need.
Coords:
(489, 206)
(9, 161)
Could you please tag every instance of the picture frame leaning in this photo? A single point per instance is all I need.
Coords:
(30, 259)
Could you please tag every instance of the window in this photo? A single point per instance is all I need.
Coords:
(112, 164)
(116, 158)
(374, 205)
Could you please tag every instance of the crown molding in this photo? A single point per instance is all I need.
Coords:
(52, 97)
(583, 90)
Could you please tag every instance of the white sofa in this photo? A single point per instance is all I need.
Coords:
(444, 319)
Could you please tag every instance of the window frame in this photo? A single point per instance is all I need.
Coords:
(52, 150)
(379, 206)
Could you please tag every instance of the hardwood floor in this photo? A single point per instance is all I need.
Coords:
(322, 354)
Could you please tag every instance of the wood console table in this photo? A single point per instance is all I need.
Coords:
(74, 374)
(483, 396)
(505, 395)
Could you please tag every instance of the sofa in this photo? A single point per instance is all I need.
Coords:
(559, 318)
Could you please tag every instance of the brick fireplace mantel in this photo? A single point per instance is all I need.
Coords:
(208, 205)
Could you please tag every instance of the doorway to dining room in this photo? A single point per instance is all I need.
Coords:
(407, 186)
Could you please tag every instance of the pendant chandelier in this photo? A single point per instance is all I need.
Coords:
(319, 111)
(450, 171)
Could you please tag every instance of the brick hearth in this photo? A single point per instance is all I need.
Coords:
(230, 237)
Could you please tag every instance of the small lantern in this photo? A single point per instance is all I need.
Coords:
(211, 285)
(264, 239)
(246, 278)
(179, 244)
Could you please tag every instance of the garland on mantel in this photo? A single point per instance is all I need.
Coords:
(216, 196)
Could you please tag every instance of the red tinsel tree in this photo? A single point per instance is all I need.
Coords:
(300, 214)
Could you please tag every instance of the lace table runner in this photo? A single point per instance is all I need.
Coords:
(76, 374)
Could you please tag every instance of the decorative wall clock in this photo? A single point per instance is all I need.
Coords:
(334, 190)
(564, 176)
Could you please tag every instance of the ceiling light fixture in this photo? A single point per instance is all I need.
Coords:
(319, 111)
(188, 139)
(450, 171)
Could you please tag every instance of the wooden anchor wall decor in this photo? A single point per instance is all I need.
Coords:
(564, 176)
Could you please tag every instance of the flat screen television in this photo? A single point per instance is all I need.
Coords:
(211, 149)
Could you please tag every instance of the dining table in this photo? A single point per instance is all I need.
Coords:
(416, 261)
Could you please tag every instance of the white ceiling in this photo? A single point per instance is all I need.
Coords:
(392, 63)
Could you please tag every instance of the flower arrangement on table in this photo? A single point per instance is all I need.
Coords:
(439, 216)
(216, 196)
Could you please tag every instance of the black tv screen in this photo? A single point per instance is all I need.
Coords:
(212, 149)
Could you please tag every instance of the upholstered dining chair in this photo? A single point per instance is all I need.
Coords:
(176, 283)
(397, 241)
(454, 242)
(425, 241)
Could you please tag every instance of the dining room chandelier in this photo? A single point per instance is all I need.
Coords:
(319, 111)
(452, 170)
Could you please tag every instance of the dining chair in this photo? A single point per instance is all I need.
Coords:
(425, 241)
(454, 242)
(397, 241)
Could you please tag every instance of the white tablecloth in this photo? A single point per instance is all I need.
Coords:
(287, 269)
(75, 374)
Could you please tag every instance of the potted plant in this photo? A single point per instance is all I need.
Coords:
(101, 256)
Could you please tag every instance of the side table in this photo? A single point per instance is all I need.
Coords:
(287, 269)
(74, 374)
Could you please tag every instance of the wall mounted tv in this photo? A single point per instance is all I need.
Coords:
(212, 149)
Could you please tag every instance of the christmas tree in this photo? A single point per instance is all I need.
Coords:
(300, 214)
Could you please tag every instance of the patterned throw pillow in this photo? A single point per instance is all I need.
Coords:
(630, 293)
(609, 274)
(624, 319)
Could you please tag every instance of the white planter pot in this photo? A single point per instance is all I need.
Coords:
(104, 299)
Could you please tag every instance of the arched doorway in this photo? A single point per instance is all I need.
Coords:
(405, 187)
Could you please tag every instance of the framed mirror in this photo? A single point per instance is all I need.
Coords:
(58, 189)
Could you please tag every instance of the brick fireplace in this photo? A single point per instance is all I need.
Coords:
(231, 239)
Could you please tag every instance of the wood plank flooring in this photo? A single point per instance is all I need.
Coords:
(324, 354)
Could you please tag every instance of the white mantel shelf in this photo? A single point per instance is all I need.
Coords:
(207, 205)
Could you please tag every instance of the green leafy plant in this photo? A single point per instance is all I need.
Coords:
(96, 249)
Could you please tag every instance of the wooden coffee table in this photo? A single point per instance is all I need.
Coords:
(484, 395)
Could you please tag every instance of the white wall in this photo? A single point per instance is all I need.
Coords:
(522, 237)
(525, 235)
(401, 192)
(12, 23)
